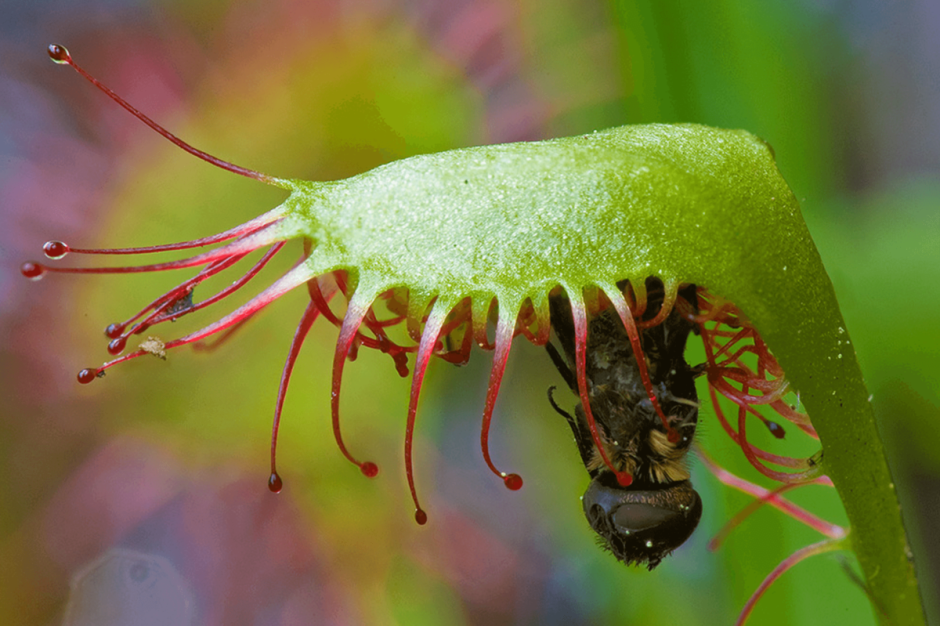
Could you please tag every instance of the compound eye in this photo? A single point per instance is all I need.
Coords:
(636, 517)
(641, 525)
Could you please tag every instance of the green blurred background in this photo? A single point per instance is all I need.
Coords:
(170, 458)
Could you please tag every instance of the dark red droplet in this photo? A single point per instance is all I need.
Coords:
(59, 54)
(776, 430)
(401, 364)
(87, 375)
(113, 331)
(369, 469)
(117, 346)
(624, 479)
(421, 517)
(32, 271)
(55, 249)
(673, 435)
(513, 482)
(275, 484)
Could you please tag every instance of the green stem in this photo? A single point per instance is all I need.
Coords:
(789, 298)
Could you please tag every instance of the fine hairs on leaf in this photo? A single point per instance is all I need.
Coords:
(624, 242)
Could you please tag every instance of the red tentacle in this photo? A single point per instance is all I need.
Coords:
(58, 249)
(357, 309)
(822, 547)
(542, 321)
(669, 300)
(264, 236)
(60, 55)
(751, 451)
(293, 278)
(639, 299)
(432, 330)
(773, 498)
(626, 316)
(306, 321)
(504, 335)
(579, 316)
(163, 312)
(480, 316)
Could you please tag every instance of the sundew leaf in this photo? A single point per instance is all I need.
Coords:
(458, 231)
(704, 206)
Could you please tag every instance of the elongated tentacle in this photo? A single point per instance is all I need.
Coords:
(119, 332)
(264, 236)
(775, 500)
(748, 449)
(432, 329)
(774, 496)
(162, 307)
(358, 307)
(752, 453)
(579, 315)
(479, 317)
(236, 285)
(540, 311)
(58, 249)
(638, 287)
(670, 294)
(61, 55)
(306, 321)
(504, 333)
(629, 324)
(828, 545)
(297, 276)
(303, 327)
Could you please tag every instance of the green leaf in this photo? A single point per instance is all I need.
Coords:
(686, 203)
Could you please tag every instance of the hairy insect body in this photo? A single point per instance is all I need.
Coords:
(645, 521)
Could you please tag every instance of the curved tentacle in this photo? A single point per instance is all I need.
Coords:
(638, 288)
(432, 329)
(480, 313)
(504, 334)
(579, 316)
(311, 313)
(629, 324)
(828, 545)
(670, 293)
(753, 453)
(295, 277)
(358, 307)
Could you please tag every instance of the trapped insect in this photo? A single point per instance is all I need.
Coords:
(643, 522)
(606, 237)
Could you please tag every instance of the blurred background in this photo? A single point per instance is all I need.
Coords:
(145, 491)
